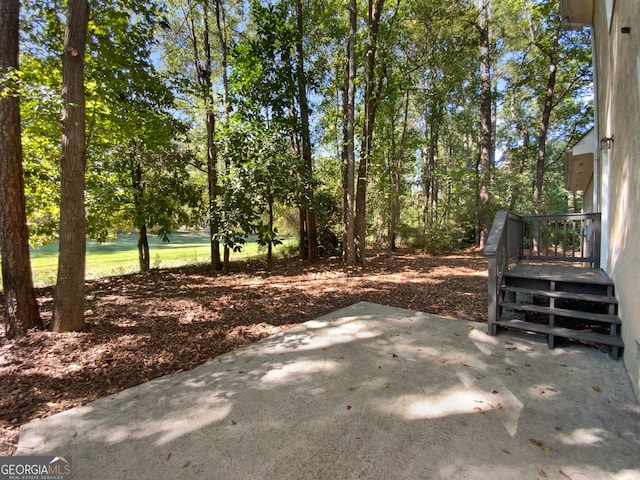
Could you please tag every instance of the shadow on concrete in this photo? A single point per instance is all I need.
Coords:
(371, 392)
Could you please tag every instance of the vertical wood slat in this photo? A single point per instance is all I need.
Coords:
(583, 238)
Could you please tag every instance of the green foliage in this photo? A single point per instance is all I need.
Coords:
(130, 126)
(262, 172)
(531, 34)
(263, 76)
(145, 112)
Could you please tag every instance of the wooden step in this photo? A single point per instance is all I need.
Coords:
(603, 339)
(563, 312)
(587, 297)
(565, 274)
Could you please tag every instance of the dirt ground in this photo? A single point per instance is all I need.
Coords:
(142, 326)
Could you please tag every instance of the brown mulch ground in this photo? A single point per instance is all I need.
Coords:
(143, 326)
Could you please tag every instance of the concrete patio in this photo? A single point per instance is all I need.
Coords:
(367, 392)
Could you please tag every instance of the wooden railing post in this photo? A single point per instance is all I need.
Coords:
(596, 242)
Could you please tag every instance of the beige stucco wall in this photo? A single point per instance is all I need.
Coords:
(618, 60)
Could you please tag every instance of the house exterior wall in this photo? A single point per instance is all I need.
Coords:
(618, 82)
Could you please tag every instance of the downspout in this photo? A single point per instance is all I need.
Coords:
(597, 181)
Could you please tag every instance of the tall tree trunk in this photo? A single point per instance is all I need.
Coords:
(311, 230)
(543, 133)
(21, 309)
(224, 56)
(486, 134)
(212, 153)
(302, 234)
(203, 73)
(212, 180)
(270, 242)
(432, 157)
(348, 154)
(517, 169)
(370, 105)
(433, 119)
(68, 312)
(138, 204)
(143, 249)
(398, 157)
(542, 147)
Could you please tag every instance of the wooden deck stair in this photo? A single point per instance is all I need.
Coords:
(560, 301)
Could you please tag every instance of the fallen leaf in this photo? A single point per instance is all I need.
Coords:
(167, 457)
(541, 391)
(386, 385)
(508, 343)
(443, 360)
(464, 423)
(233, 352)
(247, 360)
(494, 391)
(479, 410)
(540, 444)
(542, 473)
(353, 389)
(596, 388)
(464, 364)
(245, 348)
(186, 464)
(506, 450)
(233, 423)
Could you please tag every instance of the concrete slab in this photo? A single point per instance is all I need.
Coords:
(369, 392)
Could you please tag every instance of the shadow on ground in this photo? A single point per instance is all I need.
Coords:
(371, 392)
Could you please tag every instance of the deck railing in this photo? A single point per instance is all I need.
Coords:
(566, 238)
(558, 238)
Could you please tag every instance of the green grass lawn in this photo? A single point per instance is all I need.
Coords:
(121, 256)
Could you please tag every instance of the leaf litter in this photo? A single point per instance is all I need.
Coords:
(142, 326)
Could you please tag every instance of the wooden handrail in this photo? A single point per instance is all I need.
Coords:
(502, 248)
